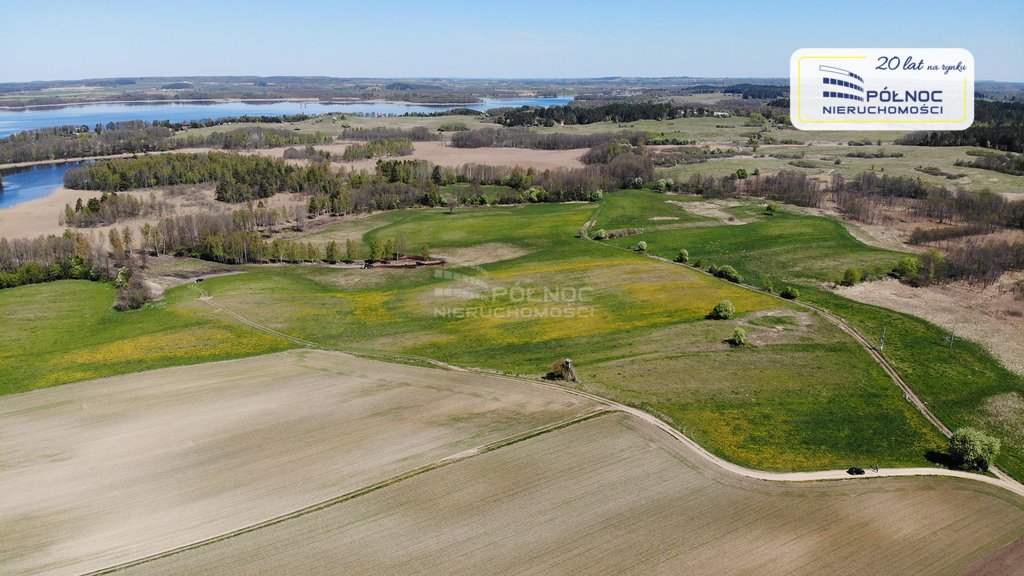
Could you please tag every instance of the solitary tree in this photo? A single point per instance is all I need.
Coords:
(683, 257)
(972, 449)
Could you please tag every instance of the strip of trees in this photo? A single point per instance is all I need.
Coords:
(378, 148)
(136, 137)
(110, 207)
(521, 137)
(612, 112)
(46, 258)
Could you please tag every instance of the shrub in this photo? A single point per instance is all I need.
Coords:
(906, 268)
(596, 195)
(132, 295)
(683, 256)
(972, 449)
(722, 311)
(851, 276)
(641, 246)
(600, 234)
(771, 209)
(713, 269)
(729, 273)
(741, 174)
(739, 337)
(768, 286)
(790, 293)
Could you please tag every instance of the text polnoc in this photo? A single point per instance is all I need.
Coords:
(925, 102)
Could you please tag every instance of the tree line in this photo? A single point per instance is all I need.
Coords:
(46, 258)
(377, 148)
(110, 207)
(569, 114)
(522, 137)
(416, 134)
(997, 124)
(135, 137)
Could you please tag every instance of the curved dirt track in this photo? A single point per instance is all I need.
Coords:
(1002, 480)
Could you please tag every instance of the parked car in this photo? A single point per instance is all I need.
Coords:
(855, 471)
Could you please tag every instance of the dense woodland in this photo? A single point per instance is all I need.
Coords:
(998, 125)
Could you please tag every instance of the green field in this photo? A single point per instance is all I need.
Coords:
(785, 246)
(963, 385)
(68, 331)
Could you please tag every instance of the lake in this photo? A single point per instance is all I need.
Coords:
(37, 182)
(12, 121)
(31, 183)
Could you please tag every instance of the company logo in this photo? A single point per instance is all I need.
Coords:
(882, 89)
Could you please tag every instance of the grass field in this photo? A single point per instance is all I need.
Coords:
(68, 331)
(804, 397)
(785, 246)
(108, 471)
(612, 496)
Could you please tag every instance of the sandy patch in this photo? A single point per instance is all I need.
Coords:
(660, 218)
(42, 215)
(712, 209)
(481, 254)
(991, 316)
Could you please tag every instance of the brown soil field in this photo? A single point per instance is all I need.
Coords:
(103, 472)
(613, 495)
(1007, 561)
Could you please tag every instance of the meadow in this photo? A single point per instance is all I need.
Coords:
(67, 331)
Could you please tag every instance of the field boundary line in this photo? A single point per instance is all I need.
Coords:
(353, 494)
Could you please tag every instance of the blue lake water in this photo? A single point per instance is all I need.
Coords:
(31, 183)
(12, 121)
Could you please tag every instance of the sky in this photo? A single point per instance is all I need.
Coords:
(58, 40)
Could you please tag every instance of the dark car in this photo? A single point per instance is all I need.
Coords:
(855, 471)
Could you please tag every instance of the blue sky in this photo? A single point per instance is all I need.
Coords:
(90, 39)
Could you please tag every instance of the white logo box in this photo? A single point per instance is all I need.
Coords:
(881, 88)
